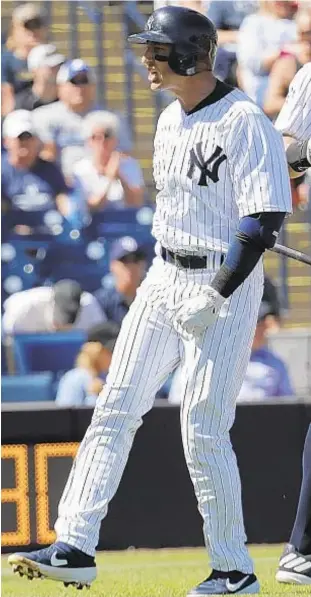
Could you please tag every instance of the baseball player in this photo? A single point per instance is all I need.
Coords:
(294, 121)
(223, 192)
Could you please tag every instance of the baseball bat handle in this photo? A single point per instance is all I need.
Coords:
(292, 253)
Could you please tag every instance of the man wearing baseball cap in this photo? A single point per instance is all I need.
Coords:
(128, 266)
(81, 385)
(28, 182)
(50, 309)
(60, 124)
(43, 62)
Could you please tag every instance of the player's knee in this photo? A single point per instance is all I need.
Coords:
(124, 400)
(114, 422)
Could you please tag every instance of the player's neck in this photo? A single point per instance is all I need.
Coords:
(195, 89)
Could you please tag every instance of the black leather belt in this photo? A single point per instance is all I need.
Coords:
(187, 261)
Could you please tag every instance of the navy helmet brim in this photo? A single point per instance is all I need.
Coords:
(149, 36)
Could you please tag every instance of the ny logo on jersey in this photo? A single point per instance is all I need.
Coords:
(214, 162)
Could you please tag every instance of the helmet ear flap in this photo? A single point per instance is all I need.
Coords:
(182, 64)
(183, 59)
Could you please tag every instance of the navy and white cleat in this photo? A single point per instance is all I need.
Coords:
(59, 562)
(294, 567)
(227, 583)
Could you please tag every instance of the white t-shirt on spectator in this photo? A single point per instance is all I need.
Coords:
(31, 311)
(260, 36)
(92, 182)
(57, 123)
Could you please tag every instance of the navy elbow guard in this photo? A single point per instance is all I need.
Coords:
(255, 234)
(299, 156)
(261, 229)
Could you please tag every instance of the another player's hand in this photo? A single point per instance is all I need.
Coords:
(197, 313)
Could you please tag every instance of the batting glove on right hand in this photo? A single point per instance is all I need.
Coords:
(197, 313)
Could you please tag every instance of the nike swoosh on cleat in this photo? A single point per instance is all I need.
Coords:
(57, 562)
(233, 588)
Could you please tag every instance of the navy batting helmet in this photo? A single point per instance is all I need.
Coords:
(192, 36)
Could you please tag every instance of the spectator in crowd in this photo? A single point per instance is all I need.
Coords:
(128, 267)
(50, 309)
(43, 62)
(29, 183)
(291, 60)
(227, 16)
(81, 385)
(28, 29)
(267, 375)
(60, 123)
(261, 39)
(106, 176)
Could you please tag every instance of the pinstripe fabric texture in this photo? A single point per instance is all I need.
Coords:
(295, 117)
(193, 218)
(148, 349)
(211, 167)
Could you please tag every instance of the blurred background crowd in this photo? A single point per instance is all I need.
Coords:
(78, 121)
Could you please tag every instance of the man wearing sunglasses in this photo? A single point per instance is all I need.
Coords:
(128, 268)
(29, 183)
(60, 124)
(105, 176)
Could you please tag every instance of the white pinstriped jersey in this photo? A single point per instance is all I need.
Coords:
(294, 119)
(212, 166)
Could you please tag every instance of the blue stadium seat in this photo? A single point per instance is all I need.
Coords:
(127, 222)
(27, 388)
(55, 352)
(55, 250)
(43, 221)
(129, 215)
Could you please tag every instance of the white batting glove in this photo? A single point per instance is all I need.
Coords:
(196, 314)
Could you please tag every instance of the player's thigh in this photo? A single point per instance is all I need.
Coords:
(146, 351)
(212, 371)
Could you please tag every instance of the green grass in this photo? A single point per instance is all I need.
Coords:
(149, 573)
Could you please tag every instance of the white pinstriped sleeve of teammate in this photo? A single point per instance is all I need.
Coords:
(294, 119)
(257, 161)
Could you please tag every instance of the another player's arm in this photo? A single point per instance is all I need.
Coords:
(294, 123)
(298, 154)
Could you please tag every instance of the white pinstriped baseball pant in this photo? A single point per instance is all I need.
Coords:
(212, 370)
